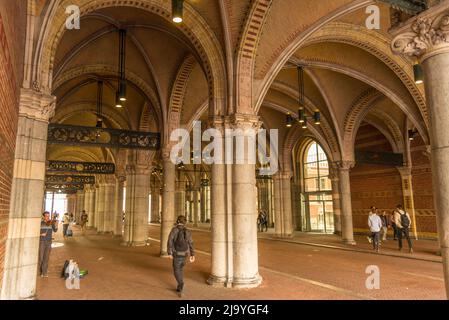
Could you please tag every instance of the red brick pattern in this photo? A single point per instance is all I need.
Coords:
(9, 95)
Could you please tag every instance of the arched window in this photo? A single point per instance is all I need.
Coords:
(317, 206)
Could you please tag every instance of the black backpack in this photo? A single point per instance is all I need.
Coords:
(181, 244)
(405, 221)
(64, 268)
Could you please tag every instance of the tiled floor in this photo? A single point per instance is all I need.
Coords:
(290, 271)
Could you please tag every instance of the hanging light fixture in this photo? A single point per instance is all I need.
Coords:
(418, 73)
(121, 93)
(301, 113)
(289, 120)
(177, 9)
(99, 104)
(317, 117)
(412, 134)
(304, 124)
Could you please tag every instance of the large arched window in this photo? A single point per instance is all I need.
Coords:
(317, 209)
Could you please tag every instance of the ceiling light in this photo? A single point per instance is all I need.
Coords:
(289, 123)
(177, 8)
(418, 73)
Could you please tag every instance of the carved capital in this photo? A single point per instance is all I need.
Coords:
(36, 105)
(345, 165)
(424, 36)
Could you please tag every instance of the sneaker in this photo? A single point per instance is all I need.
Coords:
(45, 276)
(411, 250)
(369, 239)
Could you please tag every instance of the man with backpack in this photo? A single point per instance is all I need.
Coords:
(179, 247)
(403, 223)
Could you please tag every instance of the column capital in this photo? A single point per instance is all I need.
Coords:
(36, 105)
(343, 165)
(424, 36)
(243, 121)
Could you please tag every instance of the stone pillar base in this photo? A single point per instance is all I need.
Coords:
(134, 243)
(350, 242)
(164, 255)
(220, 282)
(283, 236)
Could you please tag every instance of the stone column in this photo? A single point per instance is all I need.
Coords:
(99, 218)
(136, 207)
(71, 203)
(335, 181)
(283, 204)
(180, 196)
(27, 196)
(244, 211)
(196, 206)
(92, 207)
(87, 193)
(221, 222)
(168, 201)
(207, 203)
(427, 37)
(202, 204)
(109, 205)
(347, 229)
(80, 207)
(118, 206)
(155, 193)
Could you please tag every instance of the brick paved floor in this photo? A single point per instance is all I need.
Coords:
(289, 270)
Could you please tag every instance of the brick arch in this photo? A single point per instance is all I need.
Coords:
(326, 127)
(246, 54)
(84, 106)
(379, 46)
(359, 109)
(111, 71)
(275, 64)
(292, 137)
(194, 28)
(396, 136)
(178, 94)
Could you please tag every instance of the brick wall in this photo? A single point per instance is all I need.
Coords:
(376, 185)
(12, 40)
(381, 186)
(422, 188)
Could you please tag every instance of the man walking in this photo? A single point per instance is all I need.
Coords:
(373, 210)
(84, 218)
(179, 247)
(375, 225)
(65, 224)
(385, 225)
(46, 234)
(403, 224)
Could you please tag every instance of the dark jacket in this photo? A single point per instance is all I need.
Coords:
(173, 236)
(48, 229)
(385, 220)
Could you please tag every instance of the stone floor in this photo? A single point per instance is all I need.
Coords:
(319, 269)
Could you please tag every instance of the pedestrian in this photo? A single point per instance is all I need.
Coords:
(48, 226)
(260, 219)
(179, 247)
(403, 224)
(373, 210)
(393, 226)
(84, 219)
(65, 223)
(385, 225)
(265, 221)
(375, 225)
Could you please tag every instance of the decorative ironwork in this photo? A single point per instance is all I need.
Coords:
(70, 179)
(81, 167)
(63, 186)
(380, 158)
(102, 137)
(412, 7)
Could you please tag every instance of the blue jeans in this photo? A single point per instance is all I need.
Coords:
(375, 237)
